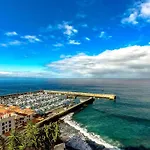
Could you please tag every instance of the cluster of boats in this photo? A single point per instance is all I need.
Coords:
(39, 102)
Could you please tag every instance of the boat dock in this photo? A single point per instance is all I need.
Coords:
(57, 116)
(72, 109)
(81, 105)
(95, 95)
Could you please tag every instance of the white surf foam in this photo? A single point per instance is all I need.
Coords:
(96, 138)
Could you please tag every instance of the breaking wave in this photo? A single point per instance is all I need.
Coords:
(96, 138)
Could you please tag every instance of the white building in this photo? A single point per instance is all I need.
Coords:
(7, 122)
(14, 117)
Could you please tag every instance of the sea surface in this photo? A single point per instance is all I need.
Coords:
(125, 123)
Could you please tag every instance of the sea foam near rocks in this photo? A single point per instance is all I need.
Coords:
(96, 138)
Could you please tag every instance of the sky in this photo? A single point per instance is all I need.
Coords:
(75, 38)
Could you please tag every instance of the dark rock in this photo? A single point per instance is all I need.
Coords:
(94, 145)
(76, 143)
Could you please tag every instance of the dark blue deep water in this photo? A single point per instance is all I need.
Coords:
(124, 123)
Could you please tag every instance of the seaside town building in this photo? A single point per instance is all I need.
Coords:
(14, 117)
(7, 121)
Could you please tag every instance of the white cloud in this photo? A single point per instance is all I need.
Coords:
(102, 34)
(88, 39)
(140, 11)
(11, 33)
(58, 45)
(131, 19)
(31, 38)
(145, 9)
(73, 42)
(128, 62)
(65, 27)
(68, 30)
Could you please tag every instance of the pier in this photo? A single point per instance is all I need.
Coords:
(57, 116)
(107, 96)
(75, 108)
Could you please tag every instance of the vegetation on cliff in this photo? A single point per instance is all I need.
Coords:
(32, 138)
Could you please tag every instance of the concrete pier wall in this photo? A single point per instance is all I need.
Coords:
(107, 96)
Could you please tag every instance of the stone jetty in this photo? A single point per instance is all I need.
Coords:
(107, 96)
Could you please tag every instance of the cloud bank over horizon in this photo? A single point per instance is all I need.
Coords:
(128, 62)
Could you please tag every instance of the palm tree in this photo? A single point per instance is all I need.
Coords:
(52, 133)
(55, 131)
(2, 143)
(13, 141)
(33, 138)
(23, 141)
(48, 135)
(31, 135)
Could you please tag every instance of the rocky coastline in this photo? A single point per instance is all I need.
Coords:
(72, 139)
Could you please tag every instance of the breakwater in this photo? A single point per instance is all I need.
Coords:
(65, 112)
(107, 96)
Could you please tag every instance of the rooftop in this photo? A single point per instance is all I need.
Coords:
(12, 110)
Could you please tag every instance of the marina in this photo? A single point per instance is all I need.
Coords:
(43, 101)
(44, 106)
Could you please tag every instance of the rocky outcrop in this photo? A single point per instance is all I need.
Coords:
(95, 146)
(76, 143)
(70, 135)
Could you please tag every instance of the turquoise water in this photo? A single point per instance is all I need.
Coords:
(124, 123)
(118, 131)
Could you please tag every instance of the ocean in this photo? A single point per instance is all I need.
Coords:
(125, 123)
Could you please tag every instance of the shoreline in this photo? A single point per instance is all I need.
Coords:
(84, 134)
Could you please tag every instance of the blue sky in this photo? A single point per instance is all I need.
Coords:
(75, 38)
